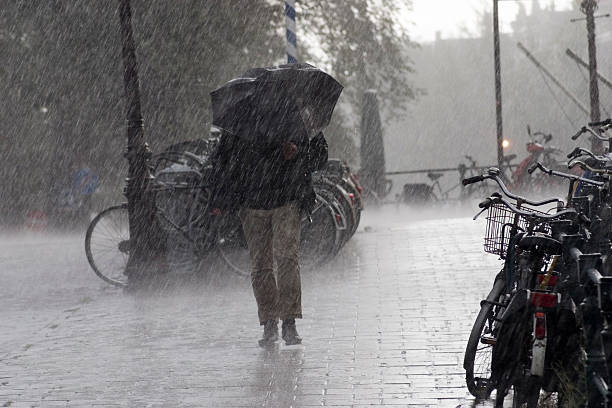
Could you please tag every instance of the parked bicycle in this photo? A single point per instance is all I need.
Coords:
(337, 176)
(423, 193)
(180, 193)
(507, 348)
(538, 150)
(549, 305)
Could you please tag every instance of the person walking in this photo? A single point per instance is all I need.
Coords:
(269, 185)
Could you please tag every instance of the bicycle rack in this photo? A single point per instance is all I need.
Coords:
(597, 371)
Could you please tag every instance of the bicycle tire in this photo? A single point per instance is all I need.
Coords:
(481, 387)
(116, 237)
(179, 200)
(357, 220)
(173, 206)
(323, 233)
(357, 203)
(337, 208)
(351, 221)
(526, 397)
(509, 358)
(348, 208)
(242, 267)
(230, 245)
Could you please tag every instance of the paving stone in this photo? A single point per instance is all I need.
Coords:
(384, 324)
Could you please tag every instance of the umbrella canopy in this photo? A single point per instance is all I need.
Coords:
(263, 101)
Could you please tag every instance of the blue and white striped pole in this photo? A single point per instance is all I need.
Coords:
(291, 38)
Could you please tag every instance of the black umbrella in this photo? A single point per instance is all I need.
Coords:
(263, 101)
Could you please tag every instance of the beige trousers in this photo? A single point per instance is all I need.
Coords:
(275, 234)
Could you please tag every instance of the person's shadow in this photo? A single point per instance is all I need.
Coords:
(278, 375)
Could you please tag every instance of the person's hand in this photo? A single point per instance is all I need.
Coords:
(289, 150)
(215, 211)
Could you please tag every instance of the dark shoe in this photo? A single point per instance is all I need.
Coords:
(290, 334)
(270, 334)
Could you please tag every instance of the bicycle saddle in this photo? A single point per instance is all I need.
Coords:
(542, 242)
(434, 176)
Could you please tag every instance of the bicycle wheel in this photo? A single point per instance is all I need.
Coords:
(478, 354)
(319, 238)
(343, 232)
(357, 220)
(526, 396)
(107, 244)
(348, 208)
(231, 245)
(511, 361)
(356, 204)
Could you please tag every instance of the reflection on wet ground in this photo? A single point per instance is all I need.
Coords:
(384, 324)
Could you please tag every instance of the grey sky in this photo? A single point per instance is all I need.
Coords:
(453, 17)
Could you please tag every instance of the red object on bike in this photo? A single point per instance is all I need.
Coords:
(540, 325)
(534, 147)
(552, 280)
(542, 299)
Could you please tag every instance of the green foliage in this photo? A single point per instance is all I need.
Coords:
(62, 82)
(366, 46)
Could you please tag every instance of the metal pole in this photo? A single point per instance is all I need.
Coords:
(290, 32)
(589, 7)
(581, 62)
(553, 78)
(498, 96)
(137, 152)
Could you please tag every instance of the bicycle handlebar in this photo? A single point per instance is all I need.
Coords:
(568, 176)
(586, 129)
(493, 174)
(547, 136)
(592, 160)
(579, 133)
(580, 151)
(533, 167)
(584, 166)
(606, 122)
(472, 180)
(548, 217)
(486, 203)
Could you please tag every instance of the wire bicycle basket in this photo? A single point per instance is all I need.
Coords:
(500, 221)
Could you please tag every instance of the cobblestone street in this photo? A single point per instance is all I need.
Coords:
(384, 324)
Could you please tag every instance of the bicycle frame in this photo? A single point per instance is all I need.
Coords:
(547, 275)
(529, 269)
(200, 225)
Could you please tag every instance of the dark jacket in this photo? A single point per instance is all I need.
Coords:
(256, 175)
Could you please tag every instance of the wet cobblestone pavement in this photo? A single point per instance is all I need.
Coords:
(385, 324)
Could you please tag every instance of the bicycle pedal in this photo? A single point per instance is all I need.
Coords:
(488, 340)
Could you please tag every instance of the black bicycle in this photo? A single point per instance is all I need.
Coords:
(181, 193)
(515, 341)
